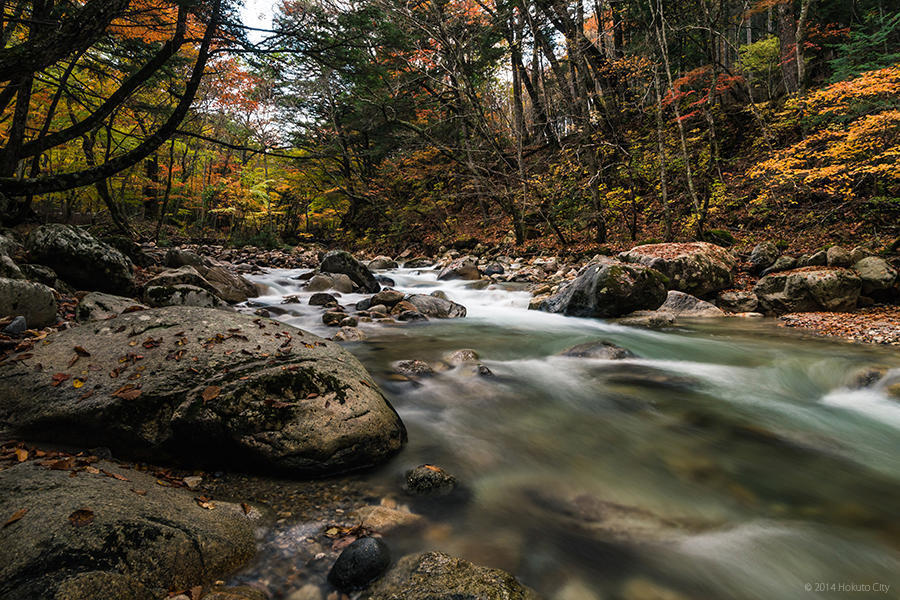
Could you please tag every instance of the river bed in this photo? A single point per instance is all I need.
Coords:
(730, 459)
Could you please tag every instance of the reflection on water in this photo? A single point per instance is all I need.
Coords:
(728, 460)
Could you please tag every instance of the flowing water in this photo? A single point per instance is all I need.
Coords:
(731, 459)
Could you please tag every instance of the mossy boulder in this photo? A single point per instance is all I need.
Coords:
(202, 386)
(80, 259)
(609, 289)
(809, 289)
(438, 576)
(95, 531)
(696, 268)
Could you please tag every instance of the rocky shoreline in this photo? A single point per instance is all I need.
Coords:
(145, 359)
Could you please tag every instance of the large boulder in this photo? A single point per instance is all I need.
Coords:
(80, 259)
(876, 274)
(28, 299)
(382, 262)
(181, 295)
(697, 268)
(111, 534)
(465, 267)
(97, 306)
(685, 306)
(202, 386)
(9, 269)
(339, 261)
(763, 256)
(737, 301)
(229, 286)
(809, 289)
(437, 308)
(185, 275)
(609, 289)
(438, 576)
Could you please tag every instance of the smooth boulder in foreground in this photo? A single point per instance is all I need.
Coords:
(94, 531)
(202, 386)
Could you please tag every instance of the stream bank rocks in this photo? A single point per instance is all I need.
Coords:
(609, 289)
(33, 301)
(202, 386)
(696, 268)
(809, 289)
(341, 262)
(80, 259)
(111, 534)
(438, 576)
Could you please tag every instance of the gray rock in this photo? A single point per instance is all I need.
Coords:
(350, 334)
(319, 283)
(809, 289)
(322, 299)
(465, 267)
(782, 263)
(876, 274)
(438, 576)
(697, 268)
(439, 294)
(413, 368)
(97, 537)
(459, 357)
(598, 350)
(380, 263)
(213, 387)
(609, 289)
(80, 259)
(333, 318)
(387, 297)
(411, 315)
(494, 269)
(339, 261)
(819, 259)
(429, 480)
(763, 256)
(17, 326)
(435, 307)
(737, 301)
(650, 319)
(9, 245)
(97, 306)
(836, 256)
(360, 563)
(418, 263)
(181, 295)
(228, 285)
(342, 283)
(859, 253)
(177, 257)
(181, 276)
(9, 269)
(28, 299)
(682, 305)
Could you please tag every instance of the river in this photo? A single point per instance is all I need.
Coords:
(730, 459)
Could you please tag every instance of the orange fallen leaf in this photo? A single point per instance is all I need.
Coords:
(15, 517)
(21, 454)
(58, 378)
(211, 393)
(80, 351)
(139, 492)
(114, 475)
(246, 508)
(204, 502)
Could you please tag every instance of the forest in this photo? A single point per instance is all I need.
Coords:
(383, 123)
(449, 299)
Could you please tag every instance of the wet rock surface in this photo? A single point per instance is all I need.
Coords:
(609, 289)
(111, 533)
(205, 386)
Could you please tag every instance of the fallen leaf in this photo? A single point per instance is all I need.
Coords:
(114, 475)
(92, 470)
(127, 392)
(63, 464)
(210, 393)
(81, 517)
(21, 454)
(80, 351)
(139, 492)
(246, 508)
(15, 517)
(77, 382)
(204, 502)
(58, 378)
